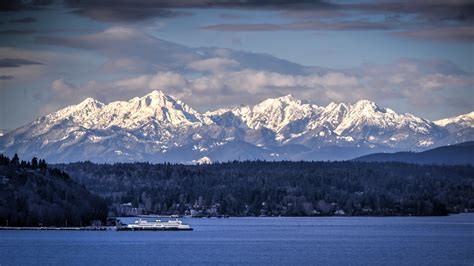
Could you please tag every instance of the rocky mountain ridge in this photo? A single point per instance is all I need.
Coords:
(158, 127)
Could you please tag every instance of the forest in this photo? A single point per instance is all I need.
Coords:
(260, 188)
(34, 194)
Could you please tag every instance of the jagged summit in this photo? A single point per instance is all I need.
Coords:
(273, 113)
(366, 105)
(152, 107)
(289, 98)
(82, 109)
(157, 127)
(88, 101)
(157, 97)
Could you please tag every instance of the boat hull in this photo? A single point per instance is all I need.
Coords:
(152, 229)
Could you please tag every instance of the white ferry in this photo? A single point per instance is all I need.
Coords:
(143, 225)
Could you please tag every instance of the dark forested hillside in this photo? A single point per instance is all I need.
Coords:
(281, 188)
(32, 194)
(462, 153)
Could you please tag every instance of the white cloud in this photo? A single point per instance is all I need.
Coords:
(215, 64)
(62, 87)
(404, 81)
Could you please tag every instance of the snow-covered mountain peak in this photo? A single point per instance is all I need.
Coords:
(283, 101)
(466, 120)
(156, 95)
(159, 127)
(289, 98)
(461, 126)
(155, 107)
(274, 113)
(367, 106)
(89, 101)
(332, 106)
(84, 108)
(156, 99)
(277, 113)
(365, 119)
(203, 160)
(330, 116)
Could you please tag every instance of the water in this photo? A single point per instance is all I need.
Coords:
(274, 241)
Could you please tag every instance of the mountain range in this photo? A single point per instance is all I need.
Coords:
(158, 127)
(462, 153)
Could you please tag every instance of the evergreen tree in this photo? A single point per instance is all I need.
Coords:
(42, 164)
(48, 198)
(15, 160)
(4, 160)
(34, 163)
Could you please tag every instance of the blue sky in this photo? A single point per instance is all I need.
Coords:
(322, 48)
(411, 56)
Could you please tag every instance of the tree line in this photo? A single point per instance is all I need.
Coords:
(34, 194)
(253, 188)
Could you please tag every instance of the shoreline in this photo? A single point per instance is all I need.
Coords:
(54, 228)
(115, 228)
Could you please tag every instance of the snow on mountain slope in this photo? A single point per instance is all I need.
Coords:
(330, 117)
(122, 130)
(366, 120)
(297, 122)
(158, 127)
(274, 114)
(155, 106)
(203, 160)
(277, 113)
(461, 128)
(465, 120)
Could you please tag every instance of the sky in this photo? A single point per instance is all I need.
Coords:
(411, 56)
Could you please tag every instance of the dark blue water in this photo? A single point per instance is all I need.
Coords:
(274, 241)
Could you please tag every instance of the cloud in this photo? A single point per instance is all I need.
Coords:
(303, 25)
(6, 77)
(226, 87)
(427, 10)
(230, 16)
(60, 86)
(422, 19)
(460, 34)
(34, 69)
(311, 14)
(419, 19)
(161, 80)
(424, 84)
(19, 67)
(129, 65)
(138, 10)
(60, 92)
(17, 32)
(215, 64)
(129, 13)
(418, 83)
(20, 5)
(23, 20)
(63, 92)
(128, 49)
(435, 20)
(16, 62)
(117, 42)
(290, 4)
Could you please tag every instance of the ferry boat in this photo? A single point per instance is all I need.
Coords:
(158, 225)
